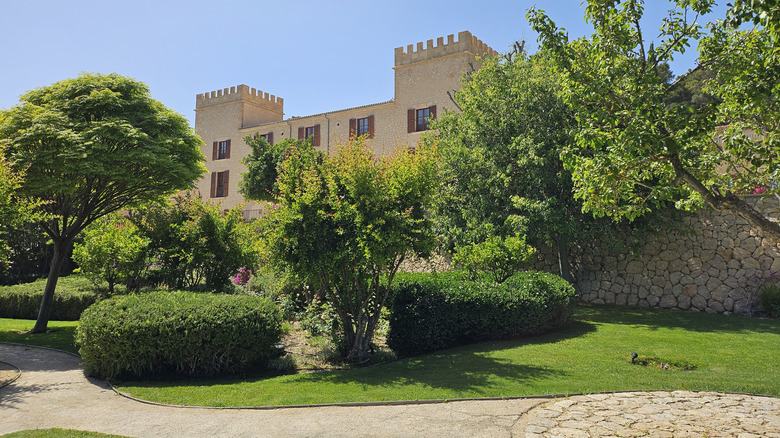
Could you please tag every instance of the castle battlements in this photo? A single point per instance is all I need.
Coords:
(466, 43)
(240, 93)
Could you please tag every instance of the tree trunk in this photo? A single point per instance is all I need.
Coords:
(563, 259)
(731, 203)
(60, 253)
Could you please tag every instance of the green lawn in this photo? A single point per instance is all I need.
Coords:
(732, 353)
(59, 336)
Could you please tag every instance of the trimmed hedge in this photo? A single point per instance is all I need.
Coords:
(23, 301)
(434, 311)
(185, 333)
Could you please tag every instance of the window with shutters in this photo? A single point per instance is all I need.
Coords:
(221, 150)
(420, 118)
(219, 184)
(269, 137)
(360, 127)
(312, 132)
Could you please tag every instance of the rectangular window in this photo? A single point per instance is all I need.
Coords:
(363, 126)
(419, 119)
(221, 150)
(312, 132)
(422, 118)
(268, 137)
(219, 184)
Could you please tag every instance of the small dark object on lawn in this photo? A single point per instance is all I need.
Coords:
(633, 357)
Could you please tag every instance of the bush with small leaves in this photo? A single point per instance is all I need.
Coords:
(181, 333)
(435, 311)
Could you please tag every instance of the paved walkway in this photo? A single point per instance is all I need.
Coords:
(53, 392)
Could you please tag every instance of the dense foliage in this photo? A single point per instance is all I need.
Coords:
(264, 164)
(497, 257)
(15, 212)
(22, 301)
(111, 252)
(346, 224)
(633, 150)
(435, 311)
(501, 158)
(186, 333)
(191, 241)
(90, 146)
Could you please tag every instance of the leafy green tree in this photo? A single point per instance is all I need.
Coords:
(193, 242)
(91, 146)
(501, 158)
(112, 251)
(634, 152)
(264, 163)
(346, 224)
(15, 212)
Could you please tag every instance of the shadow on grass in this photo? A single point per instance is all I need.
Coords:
(464, 369)
(654, 319)
(60, 338)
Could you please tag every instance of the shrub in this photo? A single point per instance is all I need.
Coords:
(185, 333)
(769, 297)
(23, 301)
(192, 241)
(436, 311)
(497, 256)
(112, 251)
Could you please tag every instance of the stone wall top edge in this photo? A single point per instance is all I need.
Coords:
(419, 52)
(238, 93)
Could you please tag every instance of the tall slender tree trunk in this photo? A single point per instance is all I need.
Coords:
(563, 259)
(60, 253)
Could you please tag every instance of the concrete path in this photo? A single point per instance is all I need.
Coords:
(53, 392)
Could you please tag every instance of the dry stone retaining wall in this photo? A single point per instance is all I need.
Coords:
(712, 262)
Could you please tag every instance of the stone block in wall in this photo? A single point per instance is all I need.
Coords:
(703, 292)
(690, 290)
(728, 304)
(678, 265)
(684, 302)
(668, 255)
(635, 267)
(653, 300)
(699, 302)
(667, 302)
(674, 277)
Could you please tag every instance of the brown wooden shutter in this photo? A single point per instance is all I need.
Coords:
(432, 110)
(270, 138)
(316, 141)
(370, 126)
(215, 151)
(301, 133)
(352, 128)
(411, 121)
(226, 183)
(213, 184)
(227, 149)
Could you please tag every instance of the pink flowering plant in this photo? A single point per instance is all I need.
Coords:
(242, 277)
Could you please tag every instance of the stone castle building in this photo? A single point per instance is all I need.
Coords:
(426, 77)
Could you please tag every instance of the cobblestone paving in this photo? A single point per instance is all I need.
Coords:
(656, 414)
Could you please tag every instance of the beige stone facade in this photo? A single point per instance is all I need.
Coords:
(426, 76)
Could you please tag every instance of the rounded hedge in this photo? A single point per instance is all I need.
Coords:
(23, 301)
(186, 333)
(435, 311)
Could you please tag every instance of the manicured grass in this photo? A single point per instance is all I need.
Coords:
(731, 353)
(58, 433)
(60, 335)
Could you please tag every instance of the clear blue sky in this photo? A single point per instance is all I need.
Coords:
(317, 55)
